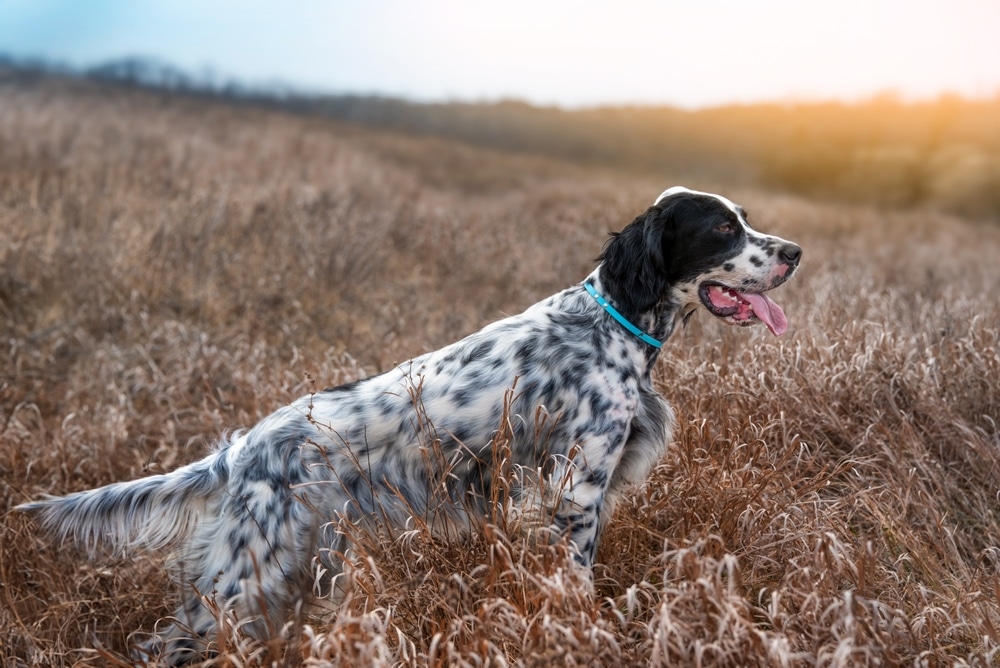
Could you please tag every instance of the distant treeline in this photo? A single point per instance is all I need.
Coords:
(944, 153)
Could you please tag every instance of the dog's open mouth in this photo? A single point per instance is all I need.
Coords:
(743, 308)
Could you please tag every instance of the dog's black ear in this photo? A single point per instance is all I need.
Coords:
(635, 262)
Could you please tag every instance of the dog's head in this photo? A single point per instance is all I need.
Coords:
(693, 248)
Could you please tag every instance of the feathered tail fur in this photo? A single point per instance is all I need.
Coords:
(151, 512)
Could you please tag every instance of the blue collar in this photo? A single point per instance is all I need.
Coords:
(613, 312)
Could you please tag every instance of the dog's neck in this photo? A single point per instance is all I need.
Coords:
(659, 321)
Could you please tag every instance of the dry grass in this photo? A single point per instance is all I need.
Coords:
(172, 269)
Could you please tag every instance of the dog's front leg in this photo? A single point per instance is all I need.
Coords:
(584, 486)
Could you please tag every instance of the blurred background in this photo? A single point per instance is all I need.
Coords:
(889, 102)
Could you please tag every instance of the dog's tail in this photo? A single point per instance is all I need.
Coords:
(151, 512)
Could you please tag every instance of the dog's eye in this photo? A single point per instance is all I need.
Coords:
(725, 228)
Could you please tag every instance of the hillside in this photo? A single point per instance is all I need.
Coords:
(174, 267)
(942, 154)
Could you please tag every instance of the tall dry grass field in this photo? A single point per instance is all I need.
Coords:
(173, 268)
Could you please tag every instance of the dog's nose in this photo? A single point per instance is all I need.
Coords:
(790, 253)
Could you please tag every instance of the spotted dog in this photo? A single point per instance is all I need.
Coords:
(247, 525)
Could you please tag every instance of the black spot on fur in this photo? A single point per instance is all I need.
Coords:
(597, 477)
(348, 388)
(526, 351)
(237, 543)
(463, 396)
(479, 351)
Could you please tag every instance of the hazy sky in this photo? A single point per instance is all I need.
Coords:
(684, 52)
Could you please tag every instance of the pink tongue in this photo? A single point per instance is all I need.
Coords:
(769, 312)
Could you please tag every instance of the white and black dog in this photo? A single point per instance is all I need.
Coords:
(570, 377)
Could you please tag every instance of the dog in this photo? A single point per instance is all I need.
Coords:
(251, 523)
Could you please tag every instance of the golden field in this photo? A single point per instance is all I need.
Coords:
(173, 268)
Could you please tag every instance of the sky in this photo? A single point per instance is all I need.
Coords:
(686, 53)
